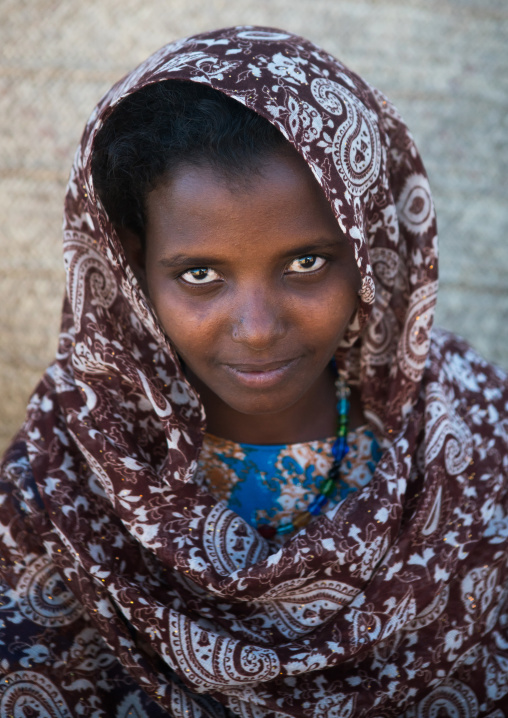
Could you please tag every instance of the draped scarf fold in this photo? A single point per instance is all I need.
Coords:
(129, 588)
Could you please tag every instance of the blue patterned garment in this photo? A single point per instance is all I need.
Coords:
(272, 483)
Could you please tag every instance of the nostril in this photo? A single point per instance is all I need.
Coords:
(259, 330)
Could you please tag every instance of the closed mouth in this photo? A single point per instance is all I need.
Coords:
(262, 375)
(261, 367)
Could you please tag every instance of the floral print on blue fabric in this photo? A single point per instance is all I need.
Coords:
(271, 483)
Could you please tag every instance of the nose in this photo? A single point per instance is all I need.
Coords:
(258, 320)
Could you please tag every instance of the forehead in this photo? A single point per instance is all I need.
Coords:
(281, 197)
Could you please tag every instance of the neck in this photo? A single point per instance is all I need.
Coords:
(313, 417)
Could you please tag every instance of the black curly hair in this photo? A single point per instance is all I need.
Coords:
(166, 124)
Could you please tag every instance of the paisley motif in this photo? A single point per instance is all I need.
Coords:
(87, 272)
(44, 597)
(296, 609)
(230, 543)
(431, 612)
(382, 332)
(414, 343)
(479, 588)
(385, 263)
(368, 290)
(448, 430)
(26, 693)
(211, 661)
(454, 700)
(414, 204)
(356, 148)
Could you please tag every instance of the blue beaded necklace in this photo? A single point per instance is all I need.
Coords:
(339, 450)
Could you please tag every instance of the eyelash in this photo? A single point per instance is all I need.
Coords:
(196, 269)
(313, 257)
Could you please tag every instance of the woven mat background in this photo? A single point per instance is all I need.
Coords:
(443, 62)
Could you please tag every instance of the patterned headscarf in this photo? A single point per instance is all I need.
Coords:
(131, 591)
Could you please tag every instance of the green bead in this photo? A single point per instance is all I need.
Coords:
(328, 487)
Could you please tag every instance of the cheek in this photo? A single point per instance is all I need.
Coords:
(339, 321)
(320, 325)
(333, 313)
(190, 328)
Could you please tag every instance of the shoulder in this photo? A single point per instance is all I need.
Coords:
(454, 363)
(466, 397)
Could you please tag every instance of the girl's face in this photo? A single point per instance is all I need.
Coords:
(254, 284)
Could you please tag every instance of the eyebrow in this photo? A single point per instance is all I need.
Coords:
(184, 260)
(187, 260)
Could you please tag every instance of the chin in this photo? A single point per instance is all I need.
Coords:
(257, 406)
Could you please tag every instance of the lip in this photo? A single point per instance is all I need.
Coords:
(261, 374)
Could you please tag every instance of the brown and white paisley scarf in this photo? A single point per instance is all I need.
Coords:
(130, 591)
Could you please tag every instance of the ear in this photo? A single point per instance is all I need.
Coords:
(134, 253)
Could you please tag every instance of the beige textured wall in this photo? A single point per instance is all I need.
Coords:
(443, 62)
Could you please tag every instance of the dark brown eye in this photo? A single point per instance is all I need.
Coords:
(200, 275)
(308, 263)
